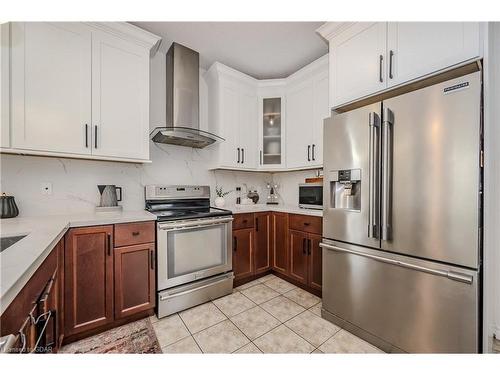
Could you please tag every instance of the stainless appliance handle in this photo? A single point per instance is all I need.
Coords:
(448, 274)
(373, 181)
(388, 121)
(193, 224)
(163, 297)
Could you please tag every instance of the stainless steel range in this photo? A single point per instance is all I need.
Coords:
(193, 246)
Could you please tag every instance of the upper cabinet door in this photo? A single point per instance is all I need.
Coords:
(416, 49)
(321, 110)
(229, 125)
(51, 87)
(247, 125)
(357, 62)
(299, 123)
(120, 98)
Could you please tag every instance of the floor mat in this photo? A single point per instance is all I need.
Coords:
(133, 338)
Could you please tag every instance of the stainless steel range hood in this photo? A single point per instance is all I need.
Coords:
(183, 118)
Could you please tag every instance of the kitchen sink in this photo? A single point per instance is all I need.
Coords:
(6, 242)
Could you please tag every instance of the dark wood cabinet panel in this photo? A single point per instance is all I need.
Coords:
(134, 233)
(262, 249)
(279, 242)
(242, 221)
(243, 242)
(315, 262)
(88, 298)
(306, 223)
(298, 256)
(134, 275)
(17, 311)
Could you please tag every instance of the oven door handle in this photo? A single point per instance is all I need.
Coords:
(191, 224)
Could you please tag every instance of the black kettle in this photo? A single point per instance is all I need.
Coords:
(9, 207)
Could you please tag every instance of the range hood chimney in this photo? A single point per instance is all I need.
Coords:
(183, 94)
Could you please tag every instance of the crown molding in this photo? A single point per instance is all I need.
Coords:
(127, 31)
(330, 30)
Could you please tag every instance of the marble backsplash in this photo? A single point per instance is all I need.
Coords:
(74, 182)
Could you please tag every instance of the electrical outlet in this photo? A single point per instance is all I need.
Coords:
(46, 188)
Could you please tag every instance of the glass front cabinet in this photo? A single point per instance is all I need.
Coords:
(272, 131)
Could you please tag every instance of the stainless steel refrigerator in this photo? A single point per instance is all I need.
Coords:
(402, 219)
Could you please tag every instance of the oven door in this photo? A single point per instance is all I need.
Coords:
(193, 249)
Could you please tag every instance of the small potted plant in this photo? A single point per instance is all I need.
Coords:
(219, 200)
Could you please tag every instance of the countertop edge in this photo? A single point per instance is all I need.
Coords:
(11, 293)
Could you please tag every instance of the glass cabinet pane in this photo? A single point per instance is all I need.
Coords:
(271, 122)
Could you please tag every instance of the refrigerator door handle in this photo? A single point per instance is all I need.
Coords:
(373, 181)
(456, 276)
(388, 121)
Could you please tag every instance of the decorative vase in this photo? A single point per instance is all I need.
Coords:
(9, 207)
(220, 202)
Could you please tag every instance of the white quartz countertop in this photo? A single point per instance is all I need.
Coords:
(247, 208)
(20, 261)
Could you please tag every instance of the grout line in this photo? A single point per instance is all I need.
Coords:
(185, 325)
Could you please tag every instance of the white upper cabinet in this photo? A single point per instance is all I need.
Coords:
(51, 87)
(299, 124)
(80, 90)
(232, 114)
(4, 85)
(357, 62)
(419, 48)
(120, 97)
(307, 107)
(367, 58)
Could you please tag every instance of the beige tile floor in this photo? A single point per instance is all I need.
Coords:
(268, 315)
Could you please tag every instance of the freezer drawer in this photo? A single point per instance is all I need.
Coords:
(417, 306)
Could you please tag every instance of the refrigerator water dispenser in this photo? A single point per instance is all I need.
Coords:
(345, 188)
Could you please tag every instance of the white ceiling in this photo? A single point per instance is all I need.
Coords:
(260, 49)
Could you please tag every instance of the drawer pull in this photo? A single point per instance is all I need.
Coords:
(135, 233)
(307, 224)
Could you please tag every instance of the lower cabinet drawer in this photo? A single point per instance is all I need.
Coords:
(306, 223)
(134, 233)
(243, 221)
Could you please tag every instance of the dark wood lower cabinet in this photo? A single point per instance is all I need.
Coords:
(262, 250)
(299, 267)
(279, 242)
(134, 276)
(315, 262)
(88, 297)
(286, 244)
(243, 240)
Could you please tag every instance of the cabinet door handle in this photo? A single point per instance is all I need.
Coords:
(391, 54)
(235, 244)
(308, 152)
(152, 259)
(309, 247)
(303, 246)
(238, 155)
(307, 224)
(260, 157)
(95, 136)
(242, 156)
(86, 136)
(109, 244)
(380, 62)
(135, 233)
(256, 224)
(313, 157)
